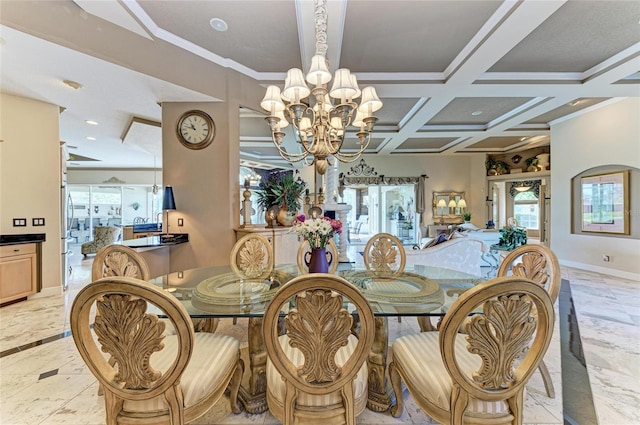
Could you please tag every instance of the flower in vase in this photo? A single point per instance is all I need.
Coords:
(317, 231)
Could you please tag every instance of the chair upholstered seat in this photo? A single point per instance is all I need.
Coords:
(277, 387)
(428, 375)
(213, 357)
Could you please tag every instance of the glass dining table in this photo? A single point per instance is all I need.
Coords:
(211, 293)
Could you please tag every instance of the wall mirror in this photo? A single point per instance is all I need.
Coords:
(448, 207)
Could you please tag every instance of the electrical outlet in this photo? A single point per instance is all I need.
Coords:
(181, 222)
(605, 258)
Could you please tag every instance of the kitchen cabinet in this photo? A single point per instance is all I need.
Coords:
(18, 271)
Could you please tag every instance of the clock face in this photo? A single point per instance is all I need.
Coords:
(196, 129)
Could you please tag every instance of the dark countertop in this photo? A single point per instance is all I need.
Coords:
(157, 241)
(22, 238)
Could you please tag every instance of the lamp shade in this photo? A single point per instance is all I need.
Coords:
(462, 203)
(294, 86)
(168, 203)
(319, 71)
(442, 203)
(370, 101)
(271, 101)
(342, 85)
(452, 203)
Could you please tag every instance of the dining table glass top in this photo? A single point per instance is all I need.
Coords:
(218, 291)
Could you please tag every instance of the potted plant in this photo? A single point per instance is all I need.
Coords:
(512, 237)
(466, 216)
(283, 189)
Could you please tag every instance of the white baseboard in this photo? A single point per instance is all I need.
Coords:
(47, 292)
(603, 270)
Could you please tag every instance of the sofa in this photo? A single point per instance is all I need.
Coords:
(463, 254)
(102, 236)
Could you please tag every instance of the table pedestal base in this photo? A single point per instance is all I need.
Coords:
(253, 394)
(378, 399)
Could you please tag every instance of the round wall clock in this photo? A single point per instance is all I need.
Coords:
(196, 129)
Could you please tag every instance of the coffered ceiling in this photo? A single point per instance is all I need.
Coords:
(455, 77)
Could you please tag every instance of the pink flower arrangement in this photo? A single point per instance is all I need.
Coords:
(318, 231)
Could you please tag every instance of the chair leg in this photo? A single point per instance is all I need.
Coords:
(234, 387)
(546, 378)
(235, 320)
(396, 384)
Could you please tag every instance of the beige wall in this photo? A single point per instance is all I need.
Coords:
(459, 173)
(607, 135)
(99, 176)
(30, 176)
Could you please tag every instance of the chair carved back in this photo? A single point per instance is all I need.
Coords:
(119, 260)
(318, 325)
(252, 257)
(130, 335)
(384, 255)
(508, 330)
(534, 262)
(305, 249)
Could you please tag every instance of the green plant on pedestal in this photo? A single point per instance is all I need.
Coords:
(466, 216)
(512, 237)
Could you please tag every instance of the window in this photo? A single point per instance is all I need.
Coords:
(526, 210)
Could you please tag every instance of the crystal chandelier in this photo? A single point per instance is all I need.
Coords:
(318, 123)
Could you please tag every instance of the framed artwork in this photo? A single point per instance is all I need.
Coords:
(605, 203)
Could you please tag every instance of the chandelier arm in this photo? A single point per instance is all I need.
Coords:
(351, 157)
(291, 157)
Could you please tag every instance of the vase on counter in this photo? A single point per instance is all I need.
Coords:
(318, 260)
(285, 218)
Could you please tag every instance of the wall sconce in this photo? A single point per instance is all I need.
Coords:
(168, 203)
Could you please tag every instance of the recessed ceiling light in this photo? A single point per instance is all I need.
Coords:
(522, 139)
(73, 84)
(574, 102)
(91, 122)
(91, 138)
(218, 24)
(476, 113)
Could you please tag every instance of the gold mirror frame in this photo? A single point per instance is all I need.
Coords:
(446, 214)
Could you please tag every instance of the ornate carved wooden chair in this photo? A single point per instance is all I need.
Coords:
(381, 255)
(156, 378)
(316, 371)
(477, 377)
(119, 260)
(540, 264)
(252, 257)
(305, 250)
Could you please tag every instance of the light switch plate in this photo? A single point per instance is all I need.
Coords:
(180, 222)
(37, 221)
(19, 222)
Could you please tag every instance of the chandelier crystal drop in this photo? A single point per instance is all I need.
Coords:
(318, 122)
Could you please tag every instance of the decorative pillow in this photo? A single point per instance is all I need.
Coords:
(442, 237)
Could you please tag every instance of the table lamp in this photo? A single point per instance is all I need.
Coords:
(168, 203)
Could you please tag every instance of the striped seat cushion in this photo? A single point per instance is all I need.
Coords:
(212, 358)
(276, 386)
(419, 357)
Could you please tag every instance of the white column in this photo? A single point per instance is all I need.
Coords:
(343, 242)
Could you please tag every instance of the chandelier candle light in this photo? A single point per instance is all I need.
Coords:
(319, 125)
